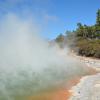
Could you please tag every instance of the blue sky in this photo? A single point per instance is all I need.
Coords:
(53, 16)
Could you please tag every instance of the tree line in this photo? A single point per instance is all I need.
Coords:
(85, 40)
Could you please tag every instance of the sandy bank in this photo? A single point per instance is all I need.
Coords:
(89, 86)
(87, 89)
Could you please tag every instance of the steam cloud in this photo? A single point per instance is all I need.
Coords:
(27, 63)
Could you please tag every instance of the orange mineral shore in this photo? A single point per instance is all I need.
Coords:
(59, 94)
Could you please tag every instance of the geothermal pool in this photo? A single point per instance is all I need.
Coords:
(29, 67)
(50, 84)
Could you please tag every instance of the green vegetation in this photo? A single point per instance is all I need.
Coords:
(60, 40)
(85, 40)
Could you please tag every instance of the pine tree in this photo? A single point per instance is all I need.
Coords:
(98, 24)
(98, 18)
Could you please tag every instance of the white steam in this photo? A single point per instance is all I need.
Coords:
(27, 62)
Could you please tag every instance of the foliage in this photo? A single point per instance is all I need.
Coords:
(88, 38)
(60, 40)
(90, 48)
(98, 18)
(85, 38)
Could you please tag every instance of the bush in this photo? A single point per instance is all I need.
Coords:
(89, 48)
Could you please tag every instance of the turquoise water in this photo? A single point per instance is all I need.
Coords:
(21, 84)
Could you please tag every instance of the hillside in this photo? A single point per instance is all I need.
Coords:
(85, 40)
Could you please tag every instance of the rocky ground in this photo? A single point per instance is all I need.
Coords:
(89, 86)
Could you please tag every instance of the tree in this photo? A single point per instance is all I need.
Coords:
(80, 30)
(85, 40)
(90, 30)
(98, 18)
(60, 38)
(97, 26)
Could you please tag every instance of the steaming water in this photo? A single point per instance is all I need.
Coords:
(28, 66)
